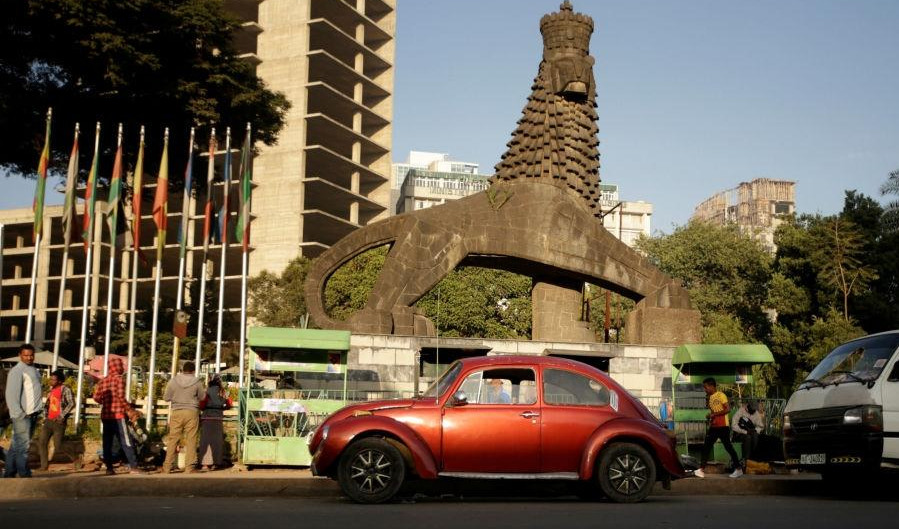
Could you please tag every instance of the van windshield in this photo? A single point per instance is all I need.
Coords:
(856, 361)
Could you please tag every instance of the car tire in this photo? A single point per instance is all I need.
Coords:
(371, 470)
(627, 473)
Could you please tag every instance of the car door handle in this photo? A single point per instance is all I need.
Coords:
(530, 414)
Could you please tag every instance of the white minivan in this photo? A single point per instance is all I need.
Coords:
(845, 415)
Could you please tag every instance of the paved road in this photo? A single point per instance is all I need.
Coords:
(668, 512)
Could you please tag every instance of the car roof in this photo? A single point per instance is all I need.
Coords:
(548, 361)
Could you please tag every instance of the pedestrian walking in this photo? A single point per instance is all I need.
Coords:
(114, 409)
(184, 391)
(23, 397)
(59, 404)
(718, 427)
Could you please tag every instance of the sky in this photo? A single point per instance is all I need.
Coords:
(694, 96)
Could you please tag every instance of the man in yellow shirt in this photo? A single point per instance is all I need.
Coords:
(719, 428)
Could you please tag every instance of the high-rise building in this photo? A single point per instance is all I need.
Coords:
(626, 220)
(757, 207)
(428, 179)
(330, 171)
(328, 174)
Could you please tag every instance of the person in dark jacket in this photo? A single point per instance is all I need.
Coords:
(184, 391)
(4, 410)
(59, 404)
(212, 434)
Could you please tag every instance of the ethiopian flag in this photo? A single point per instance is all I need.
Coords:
(40, 189)
(115, 191)
(242, 230)
(160, 204)
(136, 198)
(90, 194)
(68, 212)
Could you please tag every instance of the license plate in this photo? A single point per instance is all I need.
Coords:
(811, 459)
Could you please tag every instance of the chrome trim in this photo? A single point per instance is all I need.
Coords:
(503, 475)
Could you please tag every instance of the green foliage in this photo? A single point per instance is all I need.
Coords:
(480, 303)
(726, 272)
(348, 288)
(723, 328)
(891, 213)
(143, 62)
(839, 253)
(277, 300)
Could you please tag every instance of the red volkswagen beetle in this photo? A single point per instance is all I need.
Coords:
(507, 417)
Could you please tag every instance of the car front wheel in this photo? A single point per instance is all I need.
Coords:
(371, 470)
(627, 473)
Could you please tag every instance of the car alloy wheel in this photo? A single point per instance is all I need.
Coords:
(371, 470)
(626, 472)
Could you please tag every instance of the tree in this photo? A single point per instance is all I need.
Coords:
(143, 62)
(891, 213)
(840, 253)
(348, 287)
(277, 300)
(726, 272)
(477, 302)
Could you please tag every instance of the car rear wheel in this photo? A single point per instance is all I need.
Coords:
(371, 470)
(627, 473)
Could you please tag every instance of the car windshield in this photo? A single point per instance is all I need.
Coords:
(856, 361)
(446, 380)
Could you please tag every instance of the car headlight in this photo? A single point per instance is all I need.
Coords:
(787, 427)
(869, 416)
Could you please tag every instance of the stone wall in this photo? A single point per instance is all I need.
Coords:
(388, 363)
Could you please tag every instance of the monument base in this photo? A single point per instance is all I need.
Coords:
(663, 326)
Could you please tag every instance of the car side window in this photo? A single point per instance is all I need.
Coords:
(573, 389)
(501, 386)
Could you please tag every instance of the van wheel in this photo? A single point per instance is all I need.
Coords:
(371, 470)
(627, 473)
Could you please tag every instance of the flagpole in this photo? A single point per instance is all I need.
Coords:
(160, 213)
(135, 249)
(185, 203)
(111, 210)
(227, 212)
(68, 219)
(34, 263)
(38, 207)
(207, 222)
(2, 226)
(62, 299)
(243, 225)
(87, 288)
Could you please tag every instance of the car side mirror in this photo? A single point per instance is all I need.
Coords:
(459, 399)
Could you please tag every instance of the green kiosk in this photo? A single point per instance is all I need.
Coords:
(731, 367)
(297, 377)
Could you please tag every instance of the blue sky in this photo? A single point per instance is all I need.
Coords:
(694, 96)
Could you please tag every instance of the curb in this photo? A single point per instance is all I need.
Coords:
(258, 484)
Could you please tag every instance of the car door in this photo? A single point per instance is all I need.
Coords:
(574, 406)
(498, 429)
(890, 395)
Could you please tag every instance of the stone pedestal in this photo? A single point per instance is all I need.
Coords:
(556, 313)
(663, 326)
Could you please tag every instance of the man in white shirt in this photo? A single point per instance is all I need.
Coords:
(23, 396)
(746, 424)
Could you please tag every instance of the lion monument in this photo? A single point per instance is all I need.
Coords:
(540, 217)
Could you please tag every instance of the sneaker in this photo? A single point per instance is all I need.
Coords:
(736, 473)
(698, 473)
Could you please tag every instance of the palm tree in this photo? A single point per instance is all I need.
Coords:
(891, 211)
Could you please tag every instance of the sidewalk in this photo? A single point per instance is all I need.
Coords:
(300, 483)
